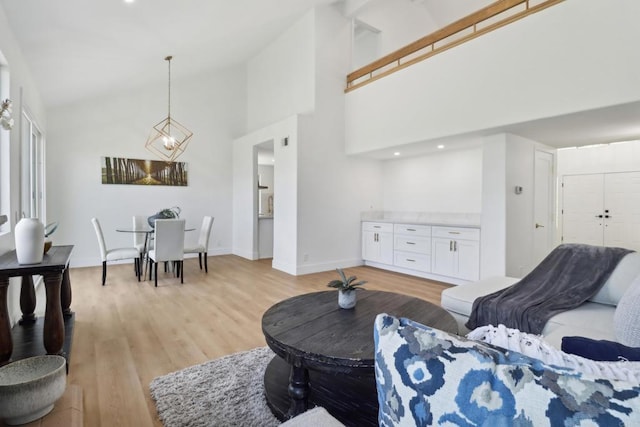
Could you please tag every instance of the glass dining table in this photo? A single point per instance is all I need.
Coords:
(147, 231)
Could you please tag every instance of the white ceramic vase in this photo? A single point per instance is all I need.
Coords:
(29, 235)
(347, 299)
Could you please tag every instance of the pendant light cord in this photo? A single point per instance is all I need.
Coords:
(168, 59)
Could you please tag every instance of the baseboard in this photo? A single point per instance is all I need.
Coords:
(422, 274)
(327, 266)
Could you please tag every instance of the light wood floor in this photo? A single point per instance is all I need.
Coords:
(127, 333)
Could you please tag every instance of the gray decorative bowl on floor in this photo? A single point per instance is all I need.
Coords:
(30, 387)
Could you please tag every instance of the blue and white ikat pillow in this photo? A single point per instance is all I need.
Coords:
(429, 377)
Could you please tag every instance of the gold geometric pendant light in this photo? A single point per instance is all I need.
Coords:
(168, 139)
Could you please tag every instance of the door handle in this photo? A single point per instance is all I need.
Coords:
(539, 225)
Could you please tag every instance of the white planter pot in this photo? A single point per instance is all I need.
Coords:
(347, 299)
(29, 234)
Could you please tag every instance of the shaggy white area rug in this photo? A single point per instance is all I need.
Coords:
(222, 392)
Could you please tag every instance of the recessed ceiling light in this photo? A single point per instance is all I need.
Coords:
(440, 147)
(397, 153)
(129, 1)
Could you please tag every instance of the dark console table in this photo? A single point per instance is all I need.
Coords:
(54, 270)
(325, 354)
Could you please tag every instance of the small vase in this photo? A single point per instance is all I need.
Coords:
(29, 234)
(347, 299)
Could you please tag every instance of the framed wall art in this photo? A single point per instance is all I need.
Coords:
(118, 170)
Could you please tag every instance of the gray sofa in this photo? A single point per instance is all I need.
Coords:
(593, 319)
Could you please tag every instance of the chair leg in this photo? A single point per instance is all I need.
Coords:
(150, 264)
(200, 259)
(181, 263)
(104, 272)
(206, 269)
(155, 267)
(136, 264)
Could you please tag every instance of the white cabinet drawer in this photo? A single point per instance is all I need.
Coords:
(412, 260)
(412, 230)
(456, 233)
(412, 244)
(380, 227)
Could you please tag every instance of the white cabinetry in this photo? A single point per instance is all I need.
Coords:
(377, 242)
(412, 246)
(456, 252)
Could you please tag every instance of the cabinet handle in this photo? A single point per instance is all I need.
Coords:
(454, 232)
(455, 246)
(450, 245)
(410, 243)
(375, 237)
(377, 226)
(411, 229)
(411, 260)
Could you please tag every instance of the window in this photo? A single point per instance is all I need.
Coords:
(32, 169)
(4, 151)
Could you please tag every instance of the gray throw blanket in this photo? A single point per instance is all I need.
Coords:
(566, 278)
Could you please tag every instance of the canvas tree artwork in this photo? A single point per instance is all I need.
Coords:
(118, 170)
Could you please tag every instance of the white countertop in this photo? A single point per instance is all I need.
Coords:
(426, 218)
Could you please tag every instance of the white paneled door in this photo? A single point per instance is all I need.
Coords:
(602, 209)
(543, 206)
(622, 210)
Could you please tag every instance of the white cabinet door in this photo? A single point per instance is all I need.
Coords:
(377, 242)
(442, 261)
(385, 241)
(457, 256)
(370, 247)
(468, 253)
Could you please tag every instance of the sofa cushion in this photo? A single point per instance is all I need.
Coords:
(602, 350)
(428, 377)
(624, 274)
(459, 299)
(626, 320)
(592, 320)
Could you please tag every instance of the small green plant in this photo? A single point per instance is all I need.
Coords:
(344, 283)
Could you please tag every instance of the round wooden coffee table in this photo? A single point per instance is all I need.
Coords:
(325, 354)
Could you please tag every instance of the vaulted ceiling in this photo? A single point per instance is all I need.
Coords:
(80, 49)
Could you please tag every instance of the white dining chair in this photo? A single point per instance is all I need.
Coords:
(114, 254)
(203, 242)
(168, 246)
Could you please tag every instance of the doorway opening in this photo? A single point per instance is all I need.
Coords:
(265, 194)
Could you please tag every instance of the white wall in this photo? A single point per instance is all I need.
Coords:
(400, 22)
(607, 158)
(520, 171)
(24, 94)
(210, 105)
(333, 188)
(585, 58)
(321, 192)
(450, 181)
(281, 77)
(493, 230)
(245, 203)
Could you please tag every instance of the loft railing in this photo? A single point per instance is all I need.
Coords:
(494, 16)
